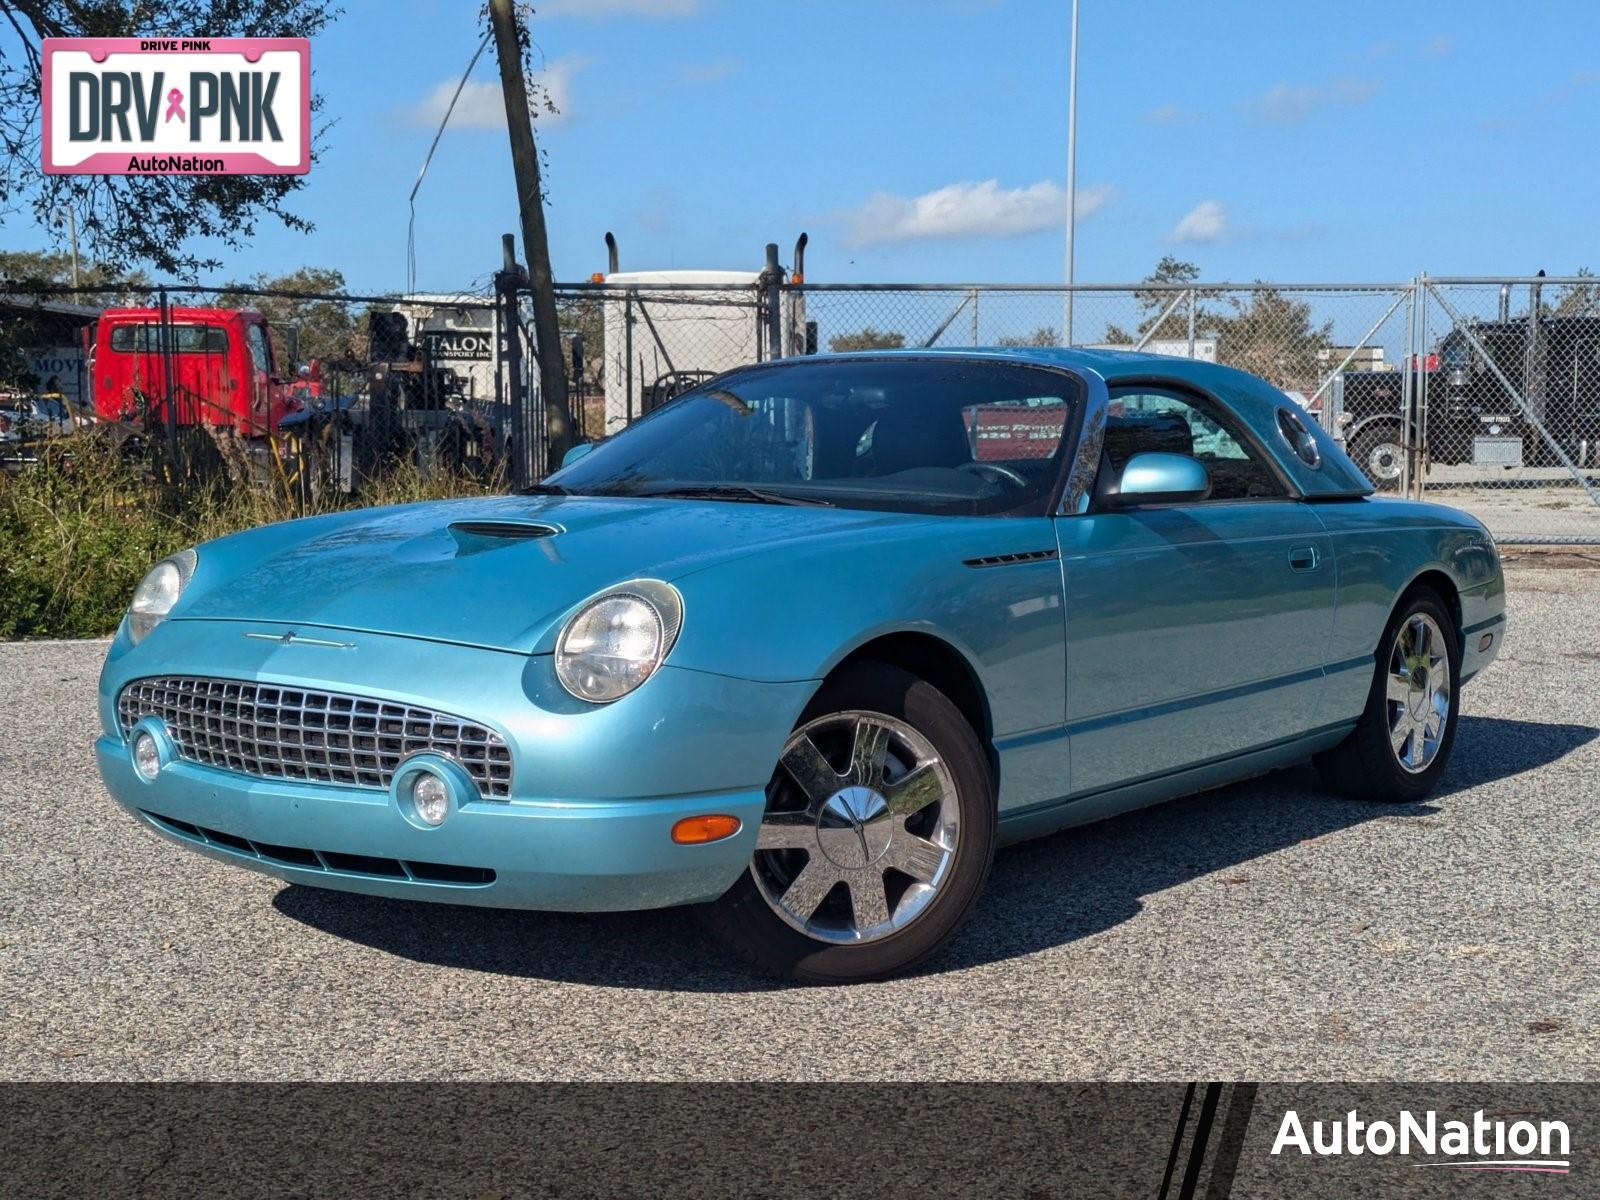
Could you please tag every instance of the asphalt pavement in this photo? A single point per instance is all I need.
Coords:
(1264, 931)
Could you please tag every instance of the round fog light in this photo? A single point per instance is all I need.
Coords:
(430, 798)
(146, 757)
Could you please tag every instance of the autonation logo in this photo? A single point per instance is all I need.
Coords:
(1481, 1144)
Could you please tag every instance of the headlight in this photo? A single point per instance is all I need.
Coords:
(617, 640)
(158, 591)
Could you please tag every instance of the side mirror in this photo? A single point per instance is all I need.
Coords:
(1159, 478)
(286, 340)
(574, 453)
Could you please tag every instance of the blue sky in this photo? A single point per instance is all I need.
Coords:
(925, 140)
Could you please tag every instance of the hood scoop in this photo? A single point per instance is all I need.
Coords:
(473, 536)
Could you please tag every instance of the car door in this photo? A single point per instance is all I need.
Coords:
(1196, 631)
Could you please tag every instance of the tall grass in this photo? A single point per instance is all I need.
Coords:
(79, 528)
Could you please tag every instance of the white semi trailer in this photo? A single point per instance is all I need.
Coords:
(666, 331)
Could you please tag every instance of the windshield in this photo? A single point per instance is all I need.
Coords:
(918, 435)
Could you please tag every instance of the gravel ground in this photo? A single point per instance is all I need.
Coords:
(1522, 508)
(1263, 931)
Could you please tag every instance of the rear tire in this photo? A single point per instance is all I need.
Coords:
(877, 840)
(1401, 745)
(1379, 451)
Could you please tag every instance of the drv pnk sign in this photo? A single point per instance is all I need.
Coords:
(177, 106)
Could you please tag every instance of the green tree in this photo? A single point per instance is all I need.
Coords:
(869, 338)
(1045, 335)
(27, 278)
(21, 270)
(329, 331)
(1171, 274)
(1271, 335)
(584, 314)
(1579, 299)
(129, 219)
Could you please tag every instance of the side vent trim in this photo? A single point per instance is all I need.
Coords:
(1009, 560)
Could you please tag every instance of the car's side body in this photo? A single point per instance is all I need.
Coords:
(1107, 658)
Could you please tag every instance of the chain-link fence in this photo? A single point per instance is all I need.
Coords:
(312, 394)
(1482, 393)
(1448, 390)
(1508, 403)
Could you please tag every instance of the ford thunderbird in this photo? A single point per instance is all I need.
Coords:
(802, 647)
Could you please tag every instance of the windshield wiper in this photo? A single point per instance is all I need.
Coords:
(545, 489)
(734, 491)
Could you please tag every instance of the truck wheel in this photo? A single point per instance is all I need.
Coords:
(1378, 450)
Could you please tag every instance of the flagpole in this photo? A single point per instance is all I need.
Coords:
(1072, 171)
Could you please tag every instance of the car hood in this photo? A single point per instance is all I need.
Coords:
(498, 572)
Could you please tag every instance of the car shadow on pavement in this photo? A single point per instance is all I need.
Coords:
(1041, 894)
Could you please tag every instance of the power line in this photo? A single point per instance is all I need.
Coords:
(411, 200)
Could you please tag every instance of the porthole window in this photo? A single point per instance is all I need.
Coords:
(1299, 438)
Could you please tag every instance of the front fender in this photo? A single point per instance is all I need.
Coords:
(796, 612)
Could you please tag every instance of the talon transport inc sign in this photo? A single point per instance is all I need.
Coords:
(177, 106)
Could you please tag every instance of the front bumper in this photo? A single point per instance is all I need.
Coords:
(595, 791)
(581, 857)
(1483, 625)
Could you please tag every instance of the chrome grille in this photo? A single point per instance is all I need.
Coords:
(276, 732)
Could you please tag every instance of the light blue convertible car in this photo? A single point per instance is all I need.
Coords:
(802, 647)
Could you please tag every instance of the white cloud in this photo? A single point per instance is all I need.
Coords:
(610, 8)
(482, 106)
(1290, 104)
(711, 72)
(970, 209)
(1205, 222)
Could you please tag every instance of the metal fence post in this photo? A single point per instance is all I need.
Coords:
(516, 383)
(627, 352)
(167, 365)
(772, 286)
(1420, 455)
(1408, 389)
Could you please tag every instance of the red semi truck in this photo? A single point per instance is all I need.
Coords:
(225, 369)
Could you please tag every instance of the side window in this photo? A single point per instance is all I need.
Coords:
(257, 342)
(1141, 421)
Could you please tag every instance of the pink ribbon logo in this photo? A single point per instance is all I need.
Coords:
(175, 105)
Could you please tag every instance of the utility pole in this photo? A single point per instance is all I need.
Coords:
(72, 228)
(1072, 171)
(535, 243)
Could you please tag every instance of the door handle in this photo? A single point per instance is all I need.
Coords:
(1304, 558)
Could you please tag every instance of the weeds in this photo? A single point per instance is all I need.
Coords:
(79, 528)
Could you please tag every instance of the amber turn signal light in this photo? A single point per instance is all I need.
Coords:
(694, 831)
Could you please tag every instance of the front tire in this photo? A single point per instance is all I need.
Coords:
(877, 839)
(1401, 745)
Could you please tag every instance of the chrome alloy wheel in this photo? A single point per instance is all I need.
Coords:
(860, 830)
(1418, 692)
